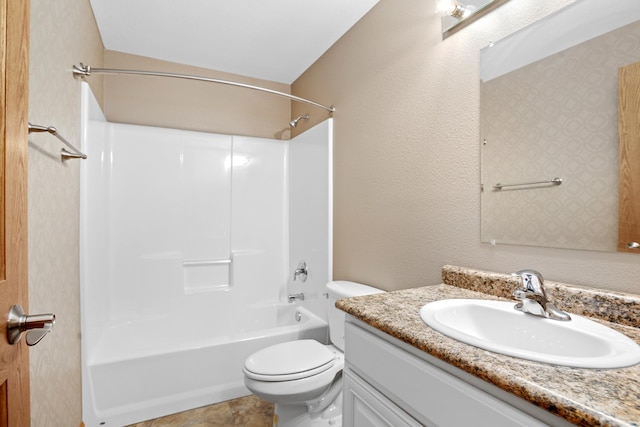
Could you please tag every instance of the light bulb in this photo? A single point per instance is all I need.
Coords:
(446, 6)
(455, 9)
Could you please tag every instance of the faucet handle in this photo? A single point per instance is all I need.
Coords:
(532, 281)
(533, 298)
(301, 272)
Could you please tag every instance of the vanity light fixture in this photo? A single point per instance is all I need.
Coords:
(457, 15)
(455, 8)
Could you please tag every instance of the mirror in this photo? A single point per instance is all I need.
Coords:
(457, 14)
(549, 127)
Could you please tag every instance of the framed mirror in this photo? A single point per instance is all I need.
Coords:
(549, 127)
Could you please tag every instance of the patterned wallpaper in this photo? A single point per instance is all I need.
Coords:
(63, 32)
(556, 118)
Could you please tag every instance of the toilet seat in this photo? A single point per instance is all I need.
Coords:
(288, 361)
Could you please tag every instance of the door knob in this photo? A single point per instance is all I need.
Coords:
(633, 245)
(36, 326)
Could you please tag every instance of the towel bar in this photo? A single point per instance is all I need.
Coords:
(64, 153)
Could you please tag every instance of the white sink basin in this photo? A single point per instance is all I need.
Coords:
(496, 326)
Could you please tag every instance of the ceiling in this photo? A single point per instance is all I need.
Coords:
(274, 40)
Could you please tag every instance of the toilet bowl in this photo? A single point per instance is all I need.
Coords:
(304, 377)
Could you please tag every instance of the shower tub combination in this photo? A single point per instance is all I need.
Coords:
(187, 240)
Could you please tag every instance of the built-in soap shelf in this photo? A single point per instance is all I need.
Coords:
(199, 262)
(206, 274)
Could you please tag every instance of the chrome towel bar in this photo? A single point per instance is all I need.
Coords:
(64, 153)
(554, 181)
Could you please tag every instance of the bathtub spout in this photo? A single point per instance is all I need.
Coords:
(293, 297)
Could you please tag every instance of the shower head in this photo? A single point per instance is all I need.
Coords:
(293, 123)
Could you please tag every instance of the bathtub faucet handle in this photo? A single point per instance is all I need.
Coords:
(301, 272)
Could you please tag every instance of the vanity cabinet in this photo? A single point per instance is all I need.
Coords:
(368, 407)
(389, 383)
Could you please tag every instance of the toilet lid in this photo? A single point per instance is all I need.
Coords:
(289, 361)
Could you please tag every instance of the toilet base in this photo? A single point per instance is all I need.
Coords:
(299, 416)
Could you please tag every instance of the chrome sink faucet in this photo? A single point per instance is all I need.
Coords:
(533, 298)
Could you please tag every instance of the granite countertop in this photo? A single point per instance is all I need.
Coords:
(587, 397)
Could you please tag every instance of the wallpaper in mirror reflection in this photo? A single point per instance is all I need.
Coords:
(556, 117)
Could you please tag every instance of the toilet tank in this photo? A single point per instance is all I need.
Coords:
(335, 291)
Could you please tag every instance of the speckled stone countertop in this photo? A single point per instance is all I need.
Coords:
(587, 397)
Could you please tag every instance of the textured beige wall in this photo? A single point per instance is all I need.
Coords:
(63, 32)
(190, 105)
(407, 157)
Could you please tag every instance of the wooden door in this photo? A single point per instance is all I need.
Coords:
(14, 73)
(629, 157)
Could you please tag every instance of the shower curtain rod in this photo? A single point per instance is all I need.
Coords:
(86, 70)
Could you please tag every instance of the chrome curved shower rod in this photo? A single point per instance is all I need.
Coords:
(86, 70)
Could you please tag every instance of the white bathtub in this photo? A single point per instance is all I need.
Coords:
(156, 366)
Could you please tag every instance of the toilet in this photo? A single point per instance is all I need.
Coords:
(304, 377)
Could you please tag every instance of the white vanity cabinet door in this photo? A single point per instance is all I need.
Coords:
(365, 407)
(424, 391)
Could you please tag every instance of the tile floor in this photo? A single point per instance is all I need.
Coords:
(249, 411)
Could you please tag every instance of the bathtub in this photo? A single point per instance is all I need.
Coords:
(154, 365)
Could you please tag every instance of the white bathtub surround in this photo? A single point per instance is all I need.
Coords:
(310, 219)
(185, 245)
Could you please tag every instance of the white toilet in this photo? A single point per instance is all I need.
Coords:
(304, 378)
